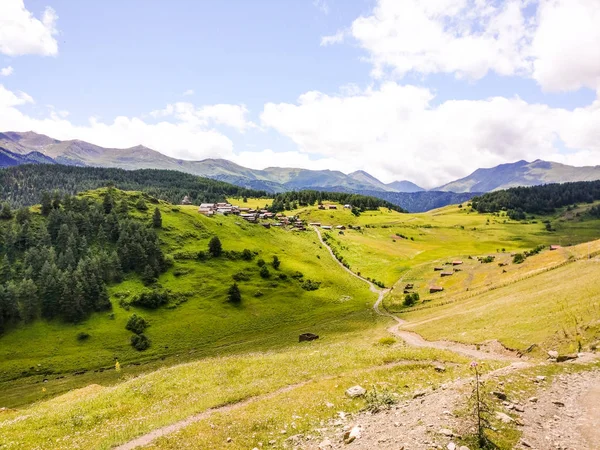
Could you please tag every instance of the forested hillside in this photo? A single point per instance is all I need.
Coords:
(23, 185)
(58, 264)
(538, 199)
(291, 200)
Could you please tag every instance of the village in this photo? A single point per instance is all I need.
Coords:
(265, 217)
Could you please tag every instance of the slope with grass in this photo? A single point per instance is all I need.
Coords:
(200, 321)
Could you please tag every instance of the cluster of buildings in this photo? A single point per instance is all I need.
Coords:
(251, 215)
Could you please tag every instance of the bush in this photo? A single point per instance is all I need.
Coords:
(377, 400)
(140, 342)
(259, 294)
(241, 276)
(214, 247)
(310, 285)
(389, 340)
(297, 275)
(151, 299)
(260, 262)
(276, 263)
(247, 255)
(141, 205)
(518, 258)
(83, 336)
(264, 272)
(488, 259)
(411, 299)
(136, 324)
(282, 276)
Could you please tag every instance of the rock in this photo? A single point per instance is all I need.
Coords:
(228, 439)
(558, 403)
(533, 399)
(325, 444)
(540, 378)
(518, 408)
(356, 391)
(563, 358)
(440, 368)
(553, 354)
(504, 417)
(463, 447)
(446, 432)
(499, 394)
(524, 443)
(352, 435)
(329, 405)
(451, 446)
(419, 394)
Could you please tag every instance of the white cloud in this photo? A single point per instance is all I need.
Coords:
(23, 34)
(188, 93)
(465, 37)
(180, 139)
(333, 39)
(566, 46)
(6, 71)
(395, 132)
(233, 116)
(559, 46)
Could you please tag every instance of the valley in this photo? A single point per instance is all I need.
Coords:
(212, 364)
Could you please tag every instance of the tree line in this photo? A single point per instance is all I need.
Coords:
(288, 200)
(23, 185)
(544, 199)
(57, 264)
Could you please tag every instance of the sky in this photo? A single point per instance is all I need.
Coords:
(426, 91)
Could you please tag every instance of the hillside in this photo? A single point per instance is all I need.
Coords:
(9, 159)
(521, 173)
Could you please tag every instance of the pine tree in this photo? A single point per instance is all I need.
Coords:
(108, 203)
(149, 276)
(157, 219)
(6, 212)
(46, 204)
(276, 263)
(28, 299)
(214, 247)
(5, 272)
(234, 295)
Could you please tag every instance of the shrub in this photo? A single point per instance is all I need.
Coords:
(247, 255)
(151, 299)
(389, 340)
(141, 205)
(276, 263)
(140, 342)
(282, 276)
(411, 299)
(518, 258)
(310, 285)
(259, 294)
(82, 336)
(136, 324)
(264, 272)
(260, 262)
(297, 275)
(377, 400)
(488, 259)
(241, 276)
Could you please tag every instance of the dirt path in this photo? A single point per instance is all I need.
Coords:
(415, 340)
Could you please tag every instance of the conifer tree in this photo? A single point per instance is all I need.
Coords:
(157, 219)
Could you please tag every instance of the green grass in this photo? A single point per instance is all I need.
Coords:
(205, 324)
(100, 417)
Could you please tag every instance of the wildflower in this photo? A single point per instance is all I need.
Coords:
(473, 364)
(117, 366)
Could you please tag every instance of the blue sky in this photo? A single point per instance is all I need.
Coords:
(397, 88)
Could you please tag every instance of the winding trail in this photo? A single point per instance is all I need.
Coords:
(411, 338)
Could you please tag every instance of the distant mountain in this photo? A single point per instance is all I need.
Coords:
(9, 159)
(272, 179)
(521, 173)
(404, 186)
(422, 201)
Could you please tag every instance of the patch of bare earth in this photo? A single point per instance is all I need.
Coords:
(566, 415)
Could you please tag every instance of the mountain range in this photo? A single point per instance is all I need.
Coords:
(29, 147)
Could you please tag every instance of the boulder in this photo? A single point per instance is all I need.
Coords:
(446, 432)
(440, 368)
(563, 358)
(504, 417)
(553, 354)
(499, 394)
(352, 435)
(305, 337)
(356, 391)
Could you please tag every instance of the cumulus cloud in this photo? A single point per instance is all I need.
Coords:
(558, 45)
(6, 71)
(233, 116)
(186, 139)
(23, 34)
(395, 132)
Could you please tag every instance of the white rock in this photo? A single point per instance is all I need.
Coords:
(352, 435)
(325, 444)
(463, 447)
(533, 399)
(356, 391)
(553, 354)
(446, 432)
(451, 446)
